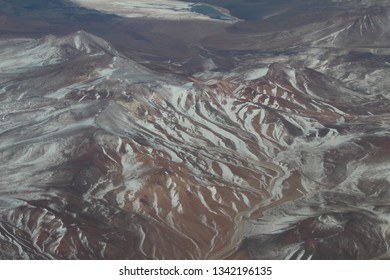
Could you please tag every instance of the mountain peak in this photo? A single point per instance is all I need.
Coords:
(368, 27)
(50, 50)
(80, 41)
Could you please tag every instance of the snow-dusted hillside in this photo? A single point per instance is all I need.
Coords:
(284, 156)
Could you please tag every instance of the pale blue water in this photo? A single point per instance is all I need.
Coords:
(209, 11)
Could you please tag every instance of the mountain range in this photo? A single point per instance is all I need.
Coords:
(254, 140)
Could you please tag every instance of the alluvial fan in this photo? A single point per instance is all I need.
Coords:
(286, 156)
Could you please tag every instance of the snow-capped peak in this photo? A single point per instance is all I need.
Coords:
(81, 41)
(26, 53)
